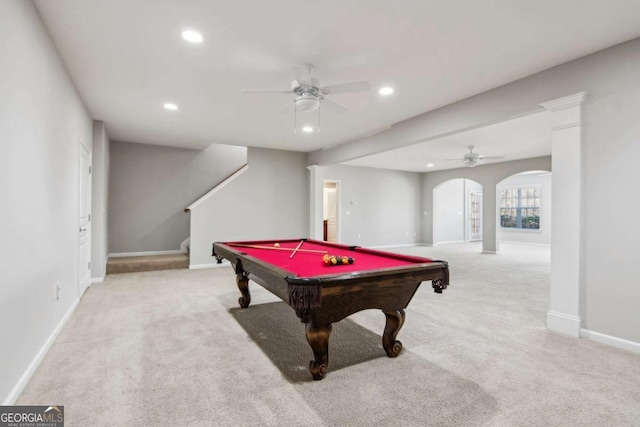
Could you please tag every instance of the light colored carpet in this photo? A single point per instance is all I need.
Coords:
(172, 348)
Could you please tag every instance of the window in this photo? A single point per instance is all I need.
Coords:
(520, 208)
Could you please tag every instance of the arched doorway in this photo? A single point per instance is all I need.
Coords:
(524, 208)
(457, 211)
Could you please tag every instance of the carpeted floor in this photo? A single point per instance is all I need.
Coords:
(172, 348)
(135, 264)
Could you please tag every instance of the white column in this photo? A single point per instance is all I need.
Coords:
(316, 185)
(564, 313)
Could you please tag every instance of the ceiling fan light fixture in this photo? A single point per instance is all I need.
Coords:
(307, 129)
(387, 90)
(307, 103)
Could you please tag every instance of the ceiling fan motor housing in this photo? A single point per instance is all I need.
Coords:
(307, 102)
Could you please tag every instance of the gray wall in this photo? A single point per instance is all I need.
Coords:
(99, 201)
(151, 185)
(387, 209)
(269, 200)
(42, 123)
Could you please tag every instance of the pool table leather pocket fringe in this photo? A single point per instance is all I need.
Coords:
(439, 285)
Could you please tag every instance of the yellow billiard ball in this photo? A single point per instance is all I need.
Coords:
(277, 245)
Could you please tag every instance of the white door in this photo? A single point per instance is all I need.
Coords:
(475, 216)
(84, 221)
(332, 220)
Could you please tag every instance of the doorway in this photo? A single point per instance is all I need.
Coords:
(84, 220)
(457, 211)
(330, 209)
(475, 216)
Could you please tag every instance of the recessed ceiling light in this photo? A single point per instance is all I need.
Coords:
(387, 90)
(307, 129)
(192, 36)
(429, 165)
(170, 106)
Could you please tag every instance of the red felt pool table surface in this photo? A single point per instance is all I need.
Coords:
(310, 264)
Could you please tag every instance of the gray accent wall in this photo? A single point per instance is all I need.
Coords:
(43, 121)
(151, 185)
(269, 200)
(377, 207)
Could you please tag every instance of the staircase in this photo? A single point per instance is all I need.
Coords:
(133, 264)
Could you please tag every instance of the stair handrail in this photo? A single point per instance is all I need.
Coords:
(227, 180)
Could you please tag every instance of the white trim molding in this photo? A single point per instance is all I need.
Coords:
(566, 102)
(610, 340)
(563, 323)
(26, 376)
(217, 188)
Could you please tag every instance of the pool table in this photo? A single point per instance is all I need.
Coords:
(323, 294)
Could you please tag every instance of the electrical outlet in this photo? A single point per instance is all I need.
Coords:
(358, 236)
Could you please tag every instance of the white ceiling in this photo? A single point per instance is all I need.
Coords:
(127, 58)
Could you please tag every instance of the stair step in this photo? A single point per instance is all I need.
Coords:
(133, 264)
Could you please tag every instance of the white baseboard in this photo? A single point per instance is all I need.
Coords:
(148, 253)
(26, 376)
(97, 280)
(513, 242)
(225, 263)
(404, 245)
(563, 323)
(610, 340)
(447, 242)
(484, 251)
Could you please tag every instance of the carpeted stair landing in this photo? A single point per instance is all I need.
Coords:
(133, 264)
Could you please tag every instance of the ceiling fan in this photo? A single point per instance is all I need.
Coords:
(309, 94)
(472, 159)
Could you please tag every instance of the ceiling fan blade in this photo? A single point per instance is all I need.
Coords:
(303, 74)
(286, 107)
(288, 92)
(333, 106)
(491, 157)
(347, 88)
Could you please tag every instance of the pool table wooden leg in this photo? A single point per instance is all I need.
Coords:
(395, 320)
(318, 338)
(242, 280)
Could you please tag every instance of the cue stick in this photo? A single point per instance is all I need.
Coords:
(297, 248)
(277, 249)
